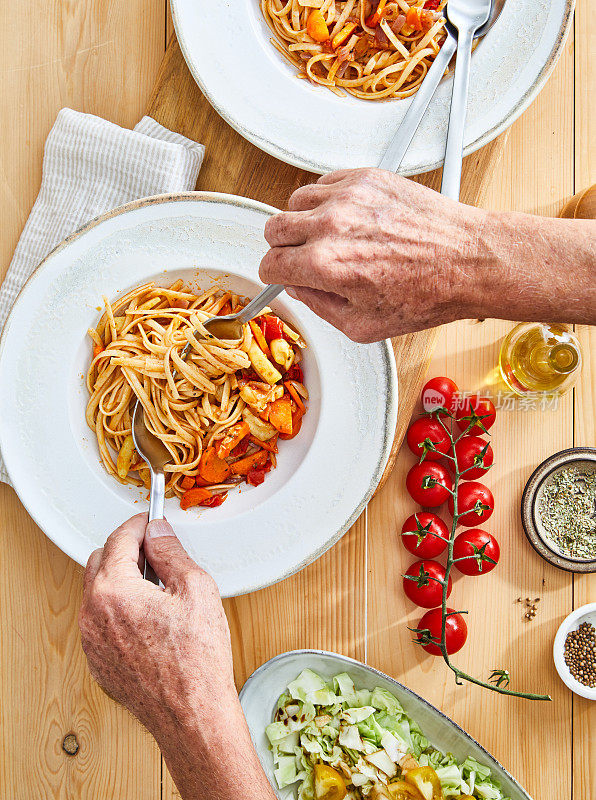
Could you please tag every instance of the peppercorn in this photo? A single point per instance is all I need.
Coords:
(530, 606)
(580, 654)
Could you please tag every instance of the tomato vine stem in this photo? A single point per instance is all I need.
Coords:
(459, 674)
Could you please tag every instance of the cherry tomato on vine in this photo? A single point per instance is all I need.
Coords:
(479, 412)
(424, 534)
(423, 583)
(425, 433)
(456, 631)
(474, 455)
(429, 483)
(439, 393)
(476, 547)
(475, 503)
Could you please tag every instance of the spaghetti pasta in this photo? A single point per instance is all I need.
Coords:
(372, 49)
(218, 411)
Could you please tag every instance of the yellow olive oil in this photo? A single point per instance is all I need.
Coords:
(540, 357)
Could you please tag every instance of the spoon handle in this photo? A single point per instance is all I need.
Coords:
(259, 302)
(157, 499)
(405, 133)
(450, 185)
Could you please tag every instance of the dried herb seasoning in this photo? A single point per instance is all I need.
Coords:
(567, 509)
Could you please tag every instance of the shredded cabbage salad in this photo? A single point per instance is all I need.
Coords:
(341, 742)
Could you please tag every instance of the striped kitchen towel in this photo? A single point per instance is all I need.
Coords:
(91, 166)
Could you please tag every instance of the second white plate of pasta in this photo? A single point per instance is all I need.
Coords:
(290, 426)
(360, 61)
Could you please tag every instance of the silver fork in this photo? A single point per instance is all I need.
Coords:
(230, 326)
(405, 133)
(467, 16)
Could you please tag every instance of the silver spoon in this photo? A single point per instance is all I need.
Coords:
(230, 326)
(157, 455)
(467, 16)
(396, 151)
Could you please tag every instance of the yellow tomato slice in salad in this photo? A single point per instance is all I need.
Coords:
(426, 780)
(329, 784)
(400, 790)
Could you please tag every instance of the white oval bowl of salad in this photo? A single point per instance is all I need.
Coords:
(314, 715)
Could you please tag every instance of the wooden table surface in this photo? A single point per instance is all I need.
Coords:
(103, 58)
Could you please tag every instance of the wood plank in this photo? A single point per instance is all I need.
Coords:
(584, 586)
(99, 58)
(584, 712)
(516, 731)
(585, 94)
(47, 692)
(169, 23)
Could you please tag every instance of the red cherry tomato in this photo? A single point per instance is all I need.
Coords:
(417, 534)
(476, 547)
(271, 326)
(422, 586)
(477, 412)
(429, 483)
(456, 631)
(474, 455)
(439, 393)
(475, 503)
(426, 432)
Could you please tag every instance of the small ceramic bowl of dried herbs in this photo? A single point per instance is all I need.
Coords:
(559, 509)
(574, 651)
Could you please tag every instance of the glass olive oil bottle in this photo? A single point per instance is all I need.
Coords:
(540, 357)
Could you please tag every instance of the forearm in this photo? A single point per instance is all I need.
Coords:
(535, 269)
(377, 255)
(213, 758)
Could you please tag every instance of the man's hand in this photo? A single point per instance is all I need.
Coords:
(374, 254)
(377, 255)
(165, 654)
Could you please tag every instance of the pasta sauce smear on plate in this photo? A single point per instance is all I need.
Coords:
(372, 49)
(220, 411)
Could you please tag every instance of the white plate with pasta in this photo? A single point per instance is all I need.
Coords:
(303, 449)
(248, 57)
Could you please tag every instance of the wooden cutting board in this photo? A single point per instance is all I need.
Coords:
(235, 166)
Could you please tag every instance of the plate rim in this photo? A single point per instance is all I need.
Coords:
(558, 646)
(295, 160)
(539, 476)
(348, 660)
(244, 203)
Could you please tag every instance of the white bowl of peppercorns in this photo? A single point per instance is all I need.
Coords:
(574, 651)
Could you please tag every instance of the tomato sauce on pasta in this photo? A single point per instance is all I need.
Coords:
(220, 411)
(372, 49)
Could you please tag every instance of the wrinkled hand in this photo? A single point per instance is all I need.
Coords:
(376, 255)
(165, 654)
(158, 652)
